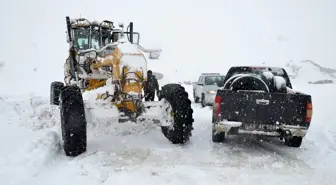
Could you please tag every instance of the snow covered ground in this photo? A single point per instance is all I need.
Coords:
(129, 153)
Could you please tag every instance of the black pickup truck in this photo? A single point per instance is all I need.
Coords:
(260, 101)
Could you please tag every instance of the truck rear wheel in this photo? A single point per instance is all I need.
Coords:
(203, 101)
(73, 122)
(217, 137)
(294, 141)
(196, 99)
(177, 97)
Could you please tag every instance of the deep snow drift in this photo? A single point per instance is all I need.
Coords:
(128, 153)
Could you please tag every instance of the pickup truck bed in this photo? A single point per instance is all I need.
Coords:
(264, 108)
(278, 114)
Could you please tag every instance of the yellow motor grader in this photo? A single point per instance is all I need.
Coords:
(108, 61)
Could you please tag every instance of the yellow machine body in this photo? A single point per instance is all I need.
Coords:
(127, 76)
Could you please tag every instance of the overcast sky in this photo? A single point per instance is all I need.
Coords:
(196, 36)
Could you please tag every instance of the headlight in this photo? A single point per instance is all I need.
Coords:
(91, 54)
(211, 92)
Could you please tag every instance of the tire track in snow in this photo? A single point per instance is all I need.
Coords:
(281, 153)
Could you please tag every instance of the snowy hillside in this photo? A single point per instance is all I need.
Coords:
(196, 37)
(311, 72)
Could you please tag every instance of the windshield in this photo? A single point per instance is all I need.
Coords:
(95, 40)
(82, 38)
(214, 80)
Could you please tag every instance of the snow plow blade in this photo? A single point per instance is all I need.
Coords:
(152, 112)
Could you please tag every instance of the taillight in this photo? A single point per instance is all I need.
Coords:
(218, 99)
(309, 112)
(217, 107)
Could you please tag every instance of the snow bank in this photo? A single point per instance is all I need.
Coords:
(30, 158)
(118, 151)
(309, 71)
(32, 112)
(31, 149)
(42, 151)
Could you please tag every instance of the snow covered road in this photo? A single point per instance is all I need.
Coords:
(128, 153)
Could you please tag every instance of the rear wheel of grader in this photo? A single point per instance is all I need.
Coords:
(55, 90)
(73, 122)
(177, 97)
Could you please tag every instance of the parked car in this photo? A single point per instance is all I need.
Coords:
(205, 89)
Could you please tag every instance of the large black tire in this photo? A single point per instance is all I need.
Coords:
(217, 137)
(55, 90)
(294, 141)
(203, 101)
(73, 121)
(230, 80)
(176, 95)
(196, 99)
(159, 94)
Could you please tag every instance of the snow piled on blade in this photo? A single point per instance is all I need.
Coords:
(91, 96)
(135, 63)
(133, 58)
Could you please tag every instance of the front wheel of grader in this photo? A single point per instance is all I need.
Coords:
(73, 121)
(180, 131)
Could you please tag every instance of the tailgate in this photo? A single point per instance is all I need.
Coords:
(264, 108)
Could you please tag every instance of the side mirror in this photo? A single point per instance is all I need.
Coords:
(154, 55)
